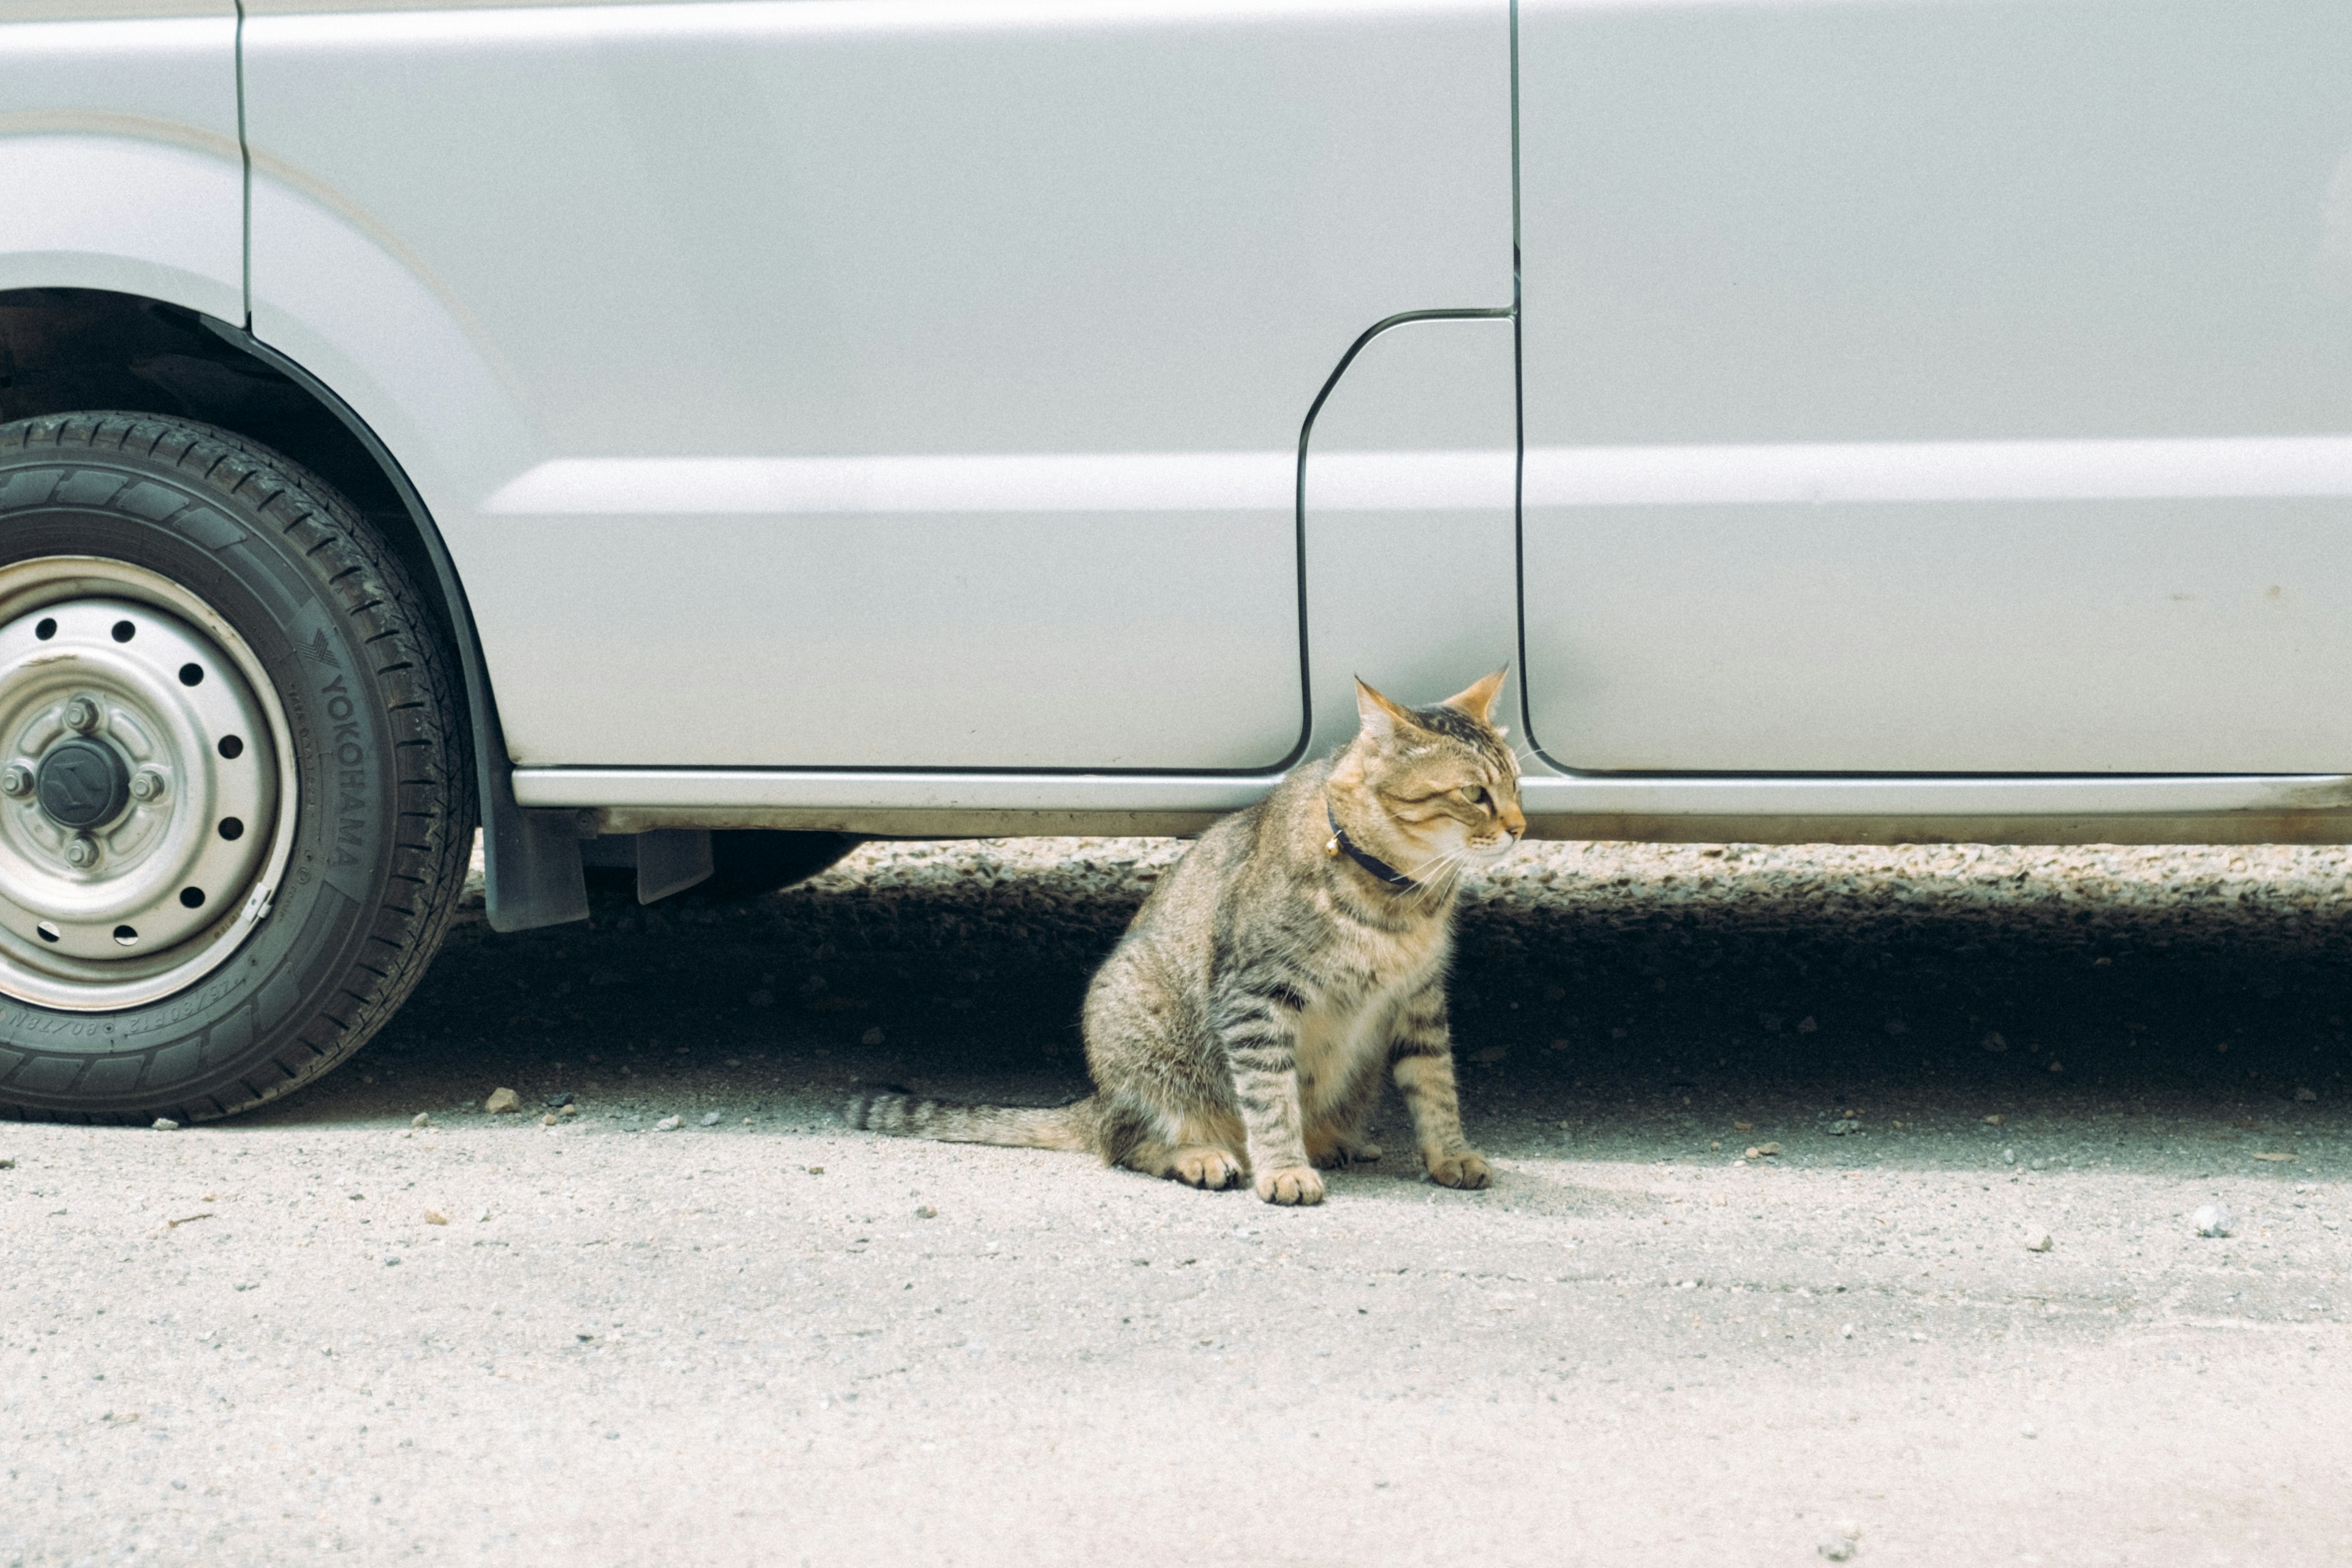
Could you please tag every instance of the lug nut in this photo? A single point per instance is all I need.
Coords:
(83, 715)
(15, 780)
(81, 852)
(148, 785)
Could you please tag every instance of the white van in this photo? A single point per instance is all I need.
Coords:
(688, 436)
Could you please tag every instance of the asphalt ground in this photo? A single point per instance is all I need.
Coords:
(320, 1330)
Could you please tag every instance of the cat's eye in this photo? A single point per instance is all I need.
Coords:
(1473, 795)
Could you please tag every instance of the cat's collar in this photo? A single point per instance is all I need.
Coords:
(1340, 844)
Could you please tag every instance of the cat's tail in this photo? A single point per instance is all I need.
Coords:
(1072, 1126)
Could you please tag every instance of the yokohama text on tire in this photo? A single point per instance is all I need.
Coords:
(235, 802)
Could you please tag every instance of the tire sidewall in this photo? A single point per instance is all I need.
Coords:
(215, 1046)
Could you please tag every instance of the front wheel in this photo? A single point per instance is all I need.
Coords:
(235, 804)
(749, 861)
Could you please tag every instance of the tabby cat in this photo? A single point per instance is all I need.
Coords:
(1238, 1031)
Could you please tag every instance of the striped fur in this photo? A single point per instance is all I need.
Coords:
(912, 1116)
(1241, 1030)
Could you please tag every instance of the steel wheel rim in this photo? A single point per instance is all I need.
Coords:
(145, 832)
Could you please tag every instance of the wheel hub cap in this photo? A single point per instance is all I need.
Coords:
(142, 817)
(82, 784)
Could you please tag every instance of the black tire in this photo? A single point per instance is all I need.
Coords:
(383, 782)
(744, 863)
(752, 860)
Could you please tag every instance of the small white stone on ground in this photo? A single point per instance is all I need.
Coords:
(670, 1124)
(712, 1119)
(502, 1102)
(2028, 1430)
(422, 1118)
(1836, 1548)
(2211, 1219)
(2037, 1240)
(165, 1124)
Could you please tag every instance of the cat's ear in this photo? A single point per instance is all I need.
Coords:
(1478, 700)
(1380, 717)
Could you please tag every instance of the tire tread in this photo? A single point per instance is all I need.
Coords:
(432, 777)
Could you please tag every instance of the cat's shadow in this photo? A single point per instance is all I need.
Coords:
(1397, 1178)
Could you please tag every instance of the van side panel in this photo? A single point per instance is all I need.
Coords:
(1938, 385)
(119, 152)
(875, 383)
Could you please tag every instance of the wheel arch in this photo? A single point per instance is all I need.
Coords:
(66, 350)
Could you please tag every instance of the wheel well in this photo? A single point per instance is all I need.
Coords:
(64, 351)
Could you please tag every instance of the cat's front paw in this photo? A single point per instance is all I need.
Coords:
(1460, 1169)
(1205, 1167)
(1291, 1184)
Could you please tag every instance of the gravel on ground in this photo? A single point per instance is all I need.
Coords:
(1847, 1200)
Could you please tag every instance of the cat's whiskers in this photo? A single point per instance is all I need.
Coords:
(1438, 878)
(1430, 867)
